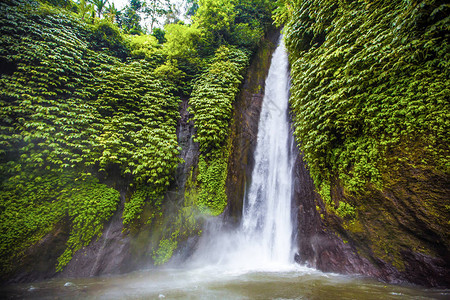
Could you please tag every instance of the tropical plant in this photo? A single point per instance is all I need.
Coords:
(99, 5)
(84, 9)
(112, 13)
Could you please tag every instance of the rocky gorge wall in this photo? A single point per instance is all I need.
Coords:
(396, 232)
(372, 184)
(398, 236)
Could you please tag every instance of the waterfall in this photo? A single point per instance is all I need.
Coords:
(267, 208)
(263, 241)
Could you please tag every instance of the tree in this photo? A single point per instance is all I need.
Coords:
(136, 5)
(182, 45)
(215, 18)
(191, 7)
(155, 9)
(129, 19)
(84, 9)
(100, 5)
(112, 13)
(160, 35)
(181, 41)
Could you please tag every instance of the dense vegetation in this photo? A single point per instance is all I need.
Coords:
(212, 106)
(88, 111)
(370, 81)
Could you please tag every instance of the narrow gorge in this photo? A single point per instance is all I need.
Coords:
(263, 150)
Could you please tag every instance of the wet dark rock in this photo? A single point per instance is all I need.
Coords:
(39, 261)
(401, 220)
(244, 129)
(189, 149)
(107, 255)
(297, 258)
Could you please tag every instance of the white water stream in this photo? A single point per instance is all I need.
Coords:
(263, 242)
(266, 221)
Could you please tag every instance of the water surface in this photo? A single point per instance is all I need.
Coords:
(216, 283)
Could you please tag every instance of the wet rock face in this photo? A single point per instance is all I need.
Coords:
(40, 259)
(110, 254)
(244, 129)
(189, 149)
(401, 236)
(318, 247)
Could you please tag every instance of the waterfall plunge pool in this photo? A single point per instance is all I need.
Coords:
(212, 282)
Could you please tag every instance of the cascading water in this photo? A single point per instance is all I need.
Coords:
(267, 207)
(264, 239)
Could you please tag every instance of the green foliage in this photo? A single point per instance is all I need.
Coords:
(164, 251)
(170, 72)
(212, 106)
(346, 211)
(139, 133)
(68, 111)
(253, 18)
(84, 10)
(129, 19)
(99, 5)
(282, 12)
(89, 206)
(46, 103)
(228, 22)
(142, 196)
(160, 35)
(366, 79)
(215, 18)
(143, 46)
(30, 205)
(111, 13)
(60, 3)
(181, 41)
(106, 35)
(213, 96)
(255, 11)
(212, 177)
(34, 201)
(139, 118)
(247, 36)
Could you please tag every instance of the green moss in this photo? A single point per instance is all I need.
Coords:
(164, 251)
(365, 79)
(212, 198)
(144, 195)
(346, 211)
(70, 110)
(354, 226)
(89, 206)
